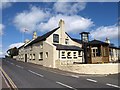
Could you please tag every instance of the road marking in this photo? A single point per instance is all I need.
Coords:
(5, 80)
(65, 85)
(75, 76)
(112, 85)
(19, 66)
(8, 61)
(91, 80)
(12, 63)
(36, 73)
(11, 83)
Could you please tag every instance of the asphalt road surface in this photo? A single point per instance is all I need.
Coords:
(27, 75)
(3, 82)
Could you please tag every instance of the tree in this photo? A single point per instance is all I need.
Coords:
(12, 52)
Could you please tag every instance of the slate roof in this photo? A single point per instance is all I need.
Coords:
(115, 47)
(97, 42)
(77, 40)
(43, 37)
(85, 32)
(21, 46)
(74, 39)
(67, 47)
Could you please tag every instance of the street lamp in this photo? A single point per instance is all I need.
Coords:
(85, 39)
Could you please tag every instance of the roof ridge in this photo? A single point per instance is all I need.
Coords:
(43, 37)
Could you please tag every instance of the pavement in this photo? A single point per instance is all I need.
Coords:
(28, 75)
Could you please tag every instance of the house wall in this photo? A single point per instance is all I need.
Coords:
(49, 61)
(114, 55)
(21, 54)
(35, 49)
(49, 48)
(62, 38)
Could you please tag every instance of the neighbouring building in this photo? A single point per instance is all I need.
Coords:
(98, 52)
(57, 45)
(102, 52)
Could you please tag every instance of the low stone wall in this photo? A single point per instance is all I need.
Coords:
(108, 68)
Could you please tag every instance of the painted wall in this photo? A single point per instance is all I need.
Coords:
(115, 55)
(108, 68)
(49, 48)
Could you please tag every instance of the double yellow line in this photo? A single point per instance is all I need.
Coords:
(9, 80)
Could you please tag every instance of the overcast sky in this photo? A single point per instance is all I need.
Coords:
(100, 19)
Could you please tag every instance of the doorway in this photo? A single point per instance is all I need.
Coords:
(25, 57)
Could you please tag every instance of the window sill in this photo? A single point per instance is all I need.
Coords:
(40, 59)
(74, 57)
(63, 57)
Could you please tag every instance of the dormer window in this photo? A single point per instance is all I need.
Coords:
(55, 38)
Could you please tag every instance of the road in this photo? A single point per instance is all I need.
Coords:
(27, 75)
(3, 82)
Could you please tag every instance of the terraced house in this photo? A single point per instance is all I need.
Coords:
(57, 45)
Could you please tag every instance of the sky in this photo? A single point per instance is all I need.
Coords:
(98, 18)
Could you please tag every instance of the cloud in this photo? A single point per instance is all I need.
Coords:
(102, 32)
(72, 23)
(44, 20)
(6, 3)
(30, 19)
(1, 28)
(15, 45)
(69, 8)
(1, 54)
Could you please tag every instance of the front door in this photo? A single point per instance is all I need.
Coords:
(25, 57)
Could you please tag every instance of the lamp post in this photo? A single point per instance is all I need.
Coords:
(85, 39)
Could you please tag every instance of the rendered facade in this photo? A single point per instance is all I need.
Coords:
(58, 45)
(54, 45)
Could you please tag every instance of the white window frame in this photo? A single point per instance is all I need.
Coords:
(75, 55)
(40, 56)
(41, 45)
(67, 41)
(69, 57)
(46, 54)
(33, 57)
(63, 56)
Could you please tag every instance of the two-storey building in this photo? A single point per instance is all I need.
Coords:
(52, 46)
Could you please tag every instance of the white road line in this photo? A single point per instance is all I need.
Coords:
(112, 85)
(19, 66)
(91, 80)
(65, 85)
(8, 61)
(75, 76)
(12, 63)
(5, 80)
(36, 73)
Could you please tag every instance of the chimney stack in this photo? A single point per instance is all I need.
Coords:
(107, 40)
(34, 35)
(62, 24)
(26, 41)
